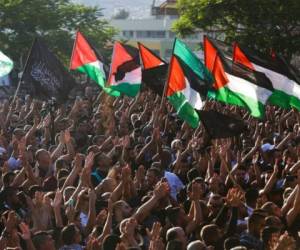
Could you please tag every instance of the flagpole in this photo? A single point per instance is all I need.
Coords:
(76, 35)
(21, 78)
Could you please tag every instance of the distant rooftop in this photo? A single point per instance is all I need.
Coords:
(164, 7)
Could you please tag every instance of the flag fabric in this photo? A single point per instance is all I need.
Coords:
(6, 65)
(44, 76)
(86, 60)
(125, 71)
(286, 92)
(219, 125)
(235, 84)
(187, 84)
(154, 69)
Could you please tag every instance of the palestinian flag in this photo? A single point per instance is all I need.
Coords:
(235, 84)
(286, 92)
(187, 84)
(6, 65)
(154, 69)
(125, 70)
(86, 60)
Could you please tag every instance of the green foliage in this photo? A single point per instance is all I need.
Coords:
(56, 21)
(260, 24)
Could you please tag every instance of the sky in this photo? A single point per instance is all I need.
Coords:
(137, 8)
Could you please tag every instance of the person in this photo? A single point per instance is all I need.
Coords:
(125, 173)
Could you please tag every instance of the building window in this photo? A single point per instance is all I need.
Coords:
(172, 34)
(127, 33)
(168, 53)
(151, 34)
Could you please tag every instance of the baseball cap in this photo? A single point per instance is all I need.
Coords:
(267, 147)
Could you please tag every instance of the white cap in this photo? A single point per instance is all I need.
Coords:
(267, 147)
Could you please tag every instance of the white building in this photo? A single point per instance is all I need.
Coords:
(155, 32)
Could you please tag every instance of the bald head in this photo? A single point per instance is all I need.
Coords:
(196, 245)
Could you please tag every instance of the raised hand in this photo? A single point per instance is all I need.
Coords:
(89, 161)
(101, 217)
(126, 173)
(57, 199)
(156, 134)
(25, 232)
(255, 158)
(140, 174)
(234, 197)
(155, 232)
(156, 244)
(67, 136)
(196, 191)
(22, 146)
(161, 189)
(126, 141)
(79, 158)
(130, 226)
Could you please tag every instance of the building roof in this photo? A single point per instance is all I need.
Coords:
(143, 24)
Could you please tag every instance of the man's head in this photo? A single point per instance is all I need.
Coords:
(251, 197)
(70, 234)
(215, 203)
(196, 245)
(210, 234)
(122, 210)
(42, 240)
(153, 175)
(10, 197)
(102, 161)
(240, 175)
(256, 223)
(176, 233)
(43, 158)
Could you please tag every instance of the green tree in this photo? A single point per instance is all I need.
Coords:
(56, 21)
(260, 24)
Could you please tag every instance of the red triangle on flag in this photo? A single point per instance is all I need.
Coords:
(119, 57)
(214, 63)
(82, 52)
(149, 59)
(240, 57)
(176, 81)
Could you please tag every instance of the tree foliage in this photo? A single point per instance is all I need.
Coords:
(260, 24)
(55, 21)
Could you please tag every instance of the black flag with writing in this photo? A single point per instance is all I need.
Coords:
(219, 125)
(44, 75)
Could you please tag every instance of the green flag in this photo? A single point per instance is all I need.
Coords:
(6, 65)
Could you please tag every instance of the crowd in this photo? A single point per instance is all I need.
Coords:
(124, 173)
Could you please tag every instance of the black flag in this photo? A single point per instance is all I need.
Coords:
(155, 70)
(155, 78)
(44, 76)
(219, 125)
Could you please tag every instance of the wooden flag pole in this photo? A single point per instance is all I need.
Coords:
(21, 78)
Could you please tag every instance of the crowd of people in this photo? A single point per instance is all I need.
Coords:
(126, 173)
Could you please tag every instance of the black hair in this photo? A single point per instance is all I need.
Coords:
(68, 234)
(192, 174)
(110, 242)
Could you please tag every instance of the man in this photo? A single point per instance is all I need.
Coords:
(251, 238)
(177, 233)
(43, 240)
